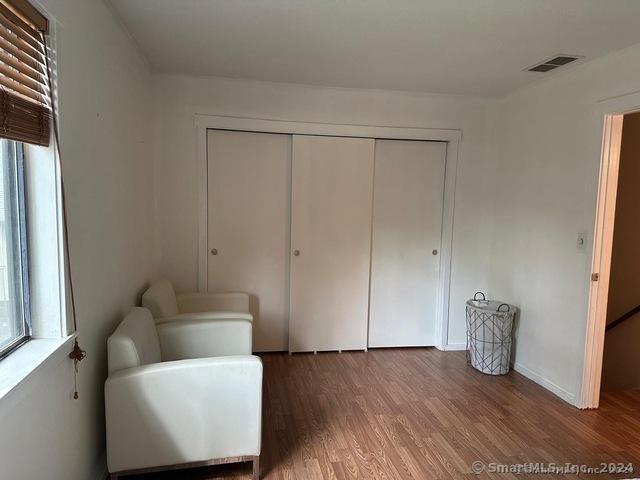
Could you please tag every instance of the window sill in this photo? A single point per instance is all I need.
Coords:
(29, 358)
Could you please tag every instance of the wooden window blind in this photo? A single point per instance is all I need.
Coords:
(25, 102)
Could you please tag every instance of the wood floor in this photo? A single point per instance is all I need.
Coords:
(421, 414)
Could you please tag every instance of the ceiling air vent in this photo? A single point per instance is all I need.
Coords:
(553, 63)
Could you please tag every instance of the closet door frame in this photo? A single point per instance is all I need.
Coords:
(452, 138)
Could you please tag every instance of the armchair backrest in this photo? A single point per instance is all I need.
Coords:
(160, 299)
(135, 341)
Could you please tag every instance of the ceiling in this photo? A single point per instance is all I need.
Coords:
(476, 47)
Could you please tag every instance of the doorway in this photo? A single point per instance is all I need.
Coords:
(622, 332)
(613, 305)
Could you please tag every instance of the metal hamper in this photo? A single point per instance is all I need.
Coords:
(489, 335)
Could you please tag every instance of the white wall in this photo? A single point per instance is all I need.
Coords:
(549, 153)
(178, 98)
(105, 128)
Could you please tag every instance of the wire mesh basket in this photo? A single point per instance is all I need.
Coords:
(489, 334)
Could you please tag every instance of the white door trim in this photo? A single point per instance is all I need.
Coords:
(453, 138)
(610, 114)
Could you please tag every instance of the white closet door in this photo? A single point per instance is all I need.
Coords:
(407, 229)
(331, 201)
(248, 230)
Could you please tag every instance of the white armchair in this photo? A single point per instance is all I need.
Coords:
(210, 324)
(184, 413)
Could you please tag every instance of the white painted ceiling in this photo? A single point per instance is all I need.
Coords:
(477, 47)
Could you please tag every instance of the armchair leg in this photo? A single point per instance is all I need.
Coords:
(256, 468)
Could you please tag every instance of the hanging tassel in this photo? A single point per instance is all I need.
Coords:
(77, 355)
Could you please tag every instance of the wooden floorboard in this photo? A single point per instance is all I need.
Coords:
(416, 414)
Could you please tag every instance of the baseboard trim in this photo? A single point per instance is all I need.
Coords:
(549, 385)
(452, 347)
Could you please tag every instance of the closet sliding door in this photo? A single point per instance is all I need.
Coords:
(248, 226)
(331, 202)
(407, 231)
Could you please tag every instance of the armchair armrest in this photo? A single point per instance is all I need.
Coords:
(213, 302)
(200, 335)
(186, 411)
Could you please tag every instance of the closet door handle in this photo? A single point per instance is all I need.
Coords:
(214, 251)
(296, 253)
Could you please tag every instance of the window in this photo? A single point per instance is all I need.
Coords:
(15, 326)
